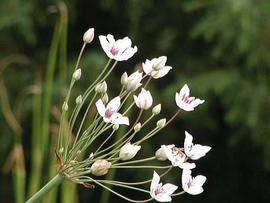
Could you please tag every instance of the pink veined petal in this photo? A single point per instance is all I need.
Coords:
(117, 118)
(184, 91)
(123, 44)
(169, 188)
(100, 107)
(155, 181)
(198, 151)
(162, 72)
(128, 53)
(186, 176)
(106, 46)
(114, 104)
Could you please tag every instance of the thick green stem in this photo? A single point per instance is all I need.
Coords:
(43, 191)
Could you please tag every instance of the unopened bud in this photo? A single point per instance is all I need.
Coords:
(65, 106)
(156, 110)
(137, 127)
(115, 127)
(77, 74)
(100, 167)
(79, 99)
(88, 35)
(161, 123)
(101, 87)
(160, 154)
(124, 79)
(105, 98)
(128, 151)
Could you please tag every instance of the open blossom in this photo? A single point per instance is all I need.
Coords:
(156, 67)
(119, 50)
(160, 192)
(192, 185)
(134, 81)
(110, 112)
(128, 151)
(194, 151)
(144, 100)
(184, 101)
(177, 156)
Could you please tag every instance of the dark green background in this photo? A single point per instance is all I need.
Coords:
(220, 48)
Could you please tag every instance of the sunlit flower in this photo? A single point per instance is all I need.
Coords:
(177, 157)
(194, 151)
(128, 151)
(119, 50)
(184, 101)
(156, 67)
(110, 112)
(192, 185)
(144, 100)
(160, 192)
(134, 81)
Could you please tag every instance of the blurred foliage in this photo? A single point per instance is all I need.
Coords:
(220, 48)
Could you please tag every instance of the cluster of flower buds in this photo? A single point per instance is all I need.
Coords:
(111, 114)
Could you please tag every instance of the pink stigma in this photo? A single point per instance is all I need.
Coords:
(108, 113)
(114, 51)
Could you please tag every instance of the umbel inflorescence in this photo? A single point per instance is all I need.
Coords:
(82, 161)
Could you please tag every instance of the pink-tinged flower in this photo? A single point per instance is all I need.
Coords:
(144, 100)
(184, 101)
(119, 50)
(192, 185)
(177, 157)
(160, 192)
(194, 151)
(156, 67)
(110, 112)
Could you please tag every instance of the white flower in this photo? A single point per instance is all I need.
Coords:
(192, 185)
(119, 50)
(110, 112)
(160, 153)
(144, 100)
(134, 81)
(160, 192)
(194, 151)
(177, 156)
(128, 151)
(184, 101)
(88, 35)
(156, 67)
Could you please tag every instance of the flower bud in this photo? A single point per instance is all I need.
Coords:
(88, 36)
(77, 74)
(101, 87)
(100, 167)
(61, 150)
(65, 106)
(105, 98)
(115, 127)
(156, 110)
(144, 100)
(137, 127)
(161, 123)
(134, 81)
(128, 151)
(124, 79)
(79, 99)
(160, 154)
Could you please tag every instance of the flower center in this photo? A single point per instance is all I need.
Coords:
(108, 113)
(187, 99)
(114, 51)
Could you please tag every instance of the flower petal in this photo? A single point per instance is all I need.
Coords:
(100, 107)
(114, 104)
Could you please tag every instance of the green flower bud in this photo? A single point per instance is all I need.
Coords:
(77, 74)
(161, 123)
(137, 127)
(156, 110)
